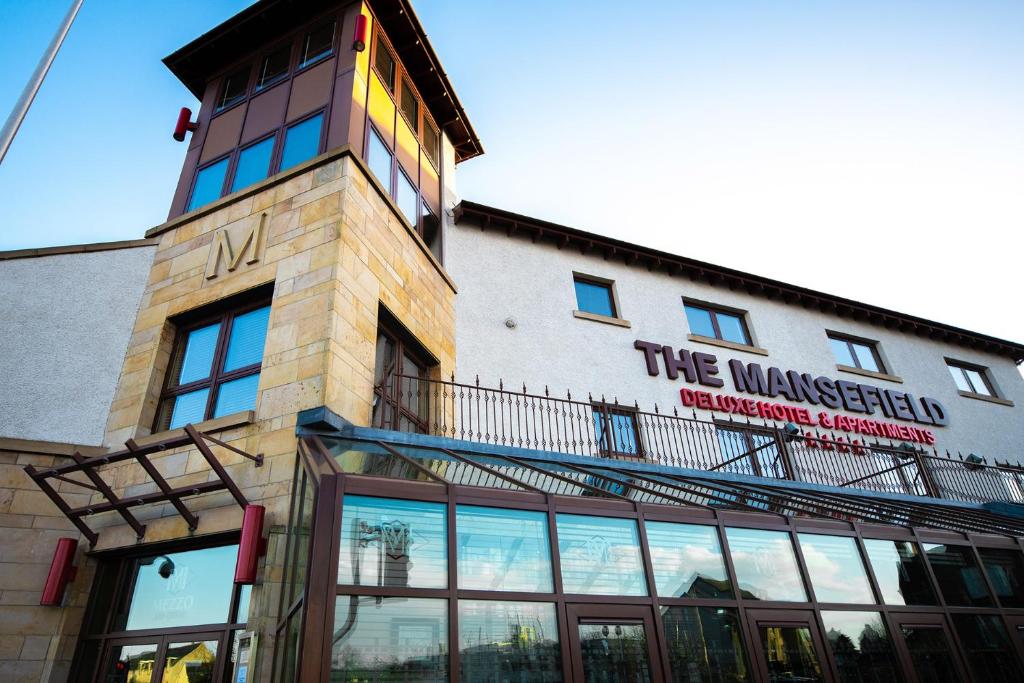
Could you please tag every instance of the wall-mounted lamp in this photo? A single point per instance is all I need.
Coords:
(252, 545)
(359, 35)
(790, 432)
(62, 572)
(973, 462)
(185, 124)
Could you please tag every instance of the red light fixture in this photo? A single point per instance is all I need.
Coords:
(359, 37)
(185, 124)
(62, 572)
(252, 546)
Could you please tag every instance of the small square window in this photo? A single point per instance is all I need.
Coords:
(856, 353)
(407, 198)
(595, 296)
(615, 430)
(233, 90)
(379, 158)
(301, 141)
(319, 43)
(972, 379)
(410, 106)
(209, 184)
(385, 64)
(717, 323)
(273, 68)
(253, 164)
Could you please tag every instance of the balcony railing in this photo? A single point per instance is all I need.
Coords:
(610, 429)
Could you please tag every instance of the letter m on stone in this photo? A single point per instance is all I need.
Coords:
(248, 248)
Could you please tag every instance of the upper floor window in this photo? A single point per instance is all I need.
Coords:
(971, 378)
(379, 158)
(209, 184)
(616, 431)
(431, 142)
(253, 163)
(856, 353)
(302, 141)
(717, 323)
(595, 295)
(215, 366)
(400, 400)
(385, 64)
(233, 89)
(410, 106)
(318, 43)
(274, 67)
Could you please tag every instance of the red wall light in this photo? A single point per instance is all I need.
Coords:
(252, 546)
(61, 572)
(184, 124)
(359, 35)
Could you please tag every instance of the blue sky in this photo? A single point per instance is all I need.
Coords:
(872, 149)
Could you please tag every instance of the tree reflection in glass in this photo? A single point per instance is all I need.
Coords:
(861, 645)
(687, 561)
(705, 644)
(508, 641)
(503, 549)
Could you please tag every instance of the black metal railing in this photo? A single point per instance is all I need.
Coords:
(610, 429)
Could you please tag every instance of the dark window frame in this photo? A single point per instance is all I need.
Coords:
(598, 282)
(220, 106)
(414, 122)
(982, 371)
(387, 387)
(605, 447)
(381, 46)
(715, 310)
(224, 313)
(870, 344)
(263, 87)
(313, 27)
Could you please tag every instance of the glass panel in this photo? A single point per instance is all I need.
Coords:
(866, 357)
(790, 653)
(622, 437)
(841, 350)
(687, 561)
(410, 107)
(274, 66)
(900, 572)
(248, 336)
(234, 88)
(253, 164)
(700, 321)
(130, 664)
(431, 141)
(592, 297)
(197, 360)
(390, 639)
(503, 550)
(182, 589)
(931, 654)
(1005, 571)
(406, 198)
(508, 641)
(732, 328)
(387, 542)
(244, 596)
(379, 160)
(959, 377)
(318, 44)
(977, 382)
(209, 184)
(190, 407)
(862, 647)
(614, 652)
(987, 646)
(836, 569)
(600, 555)
(958, 574)
(385, 65)
(705, 644)
(301, 142)
(431, 230)
(765, 565)
(237, 395)
(190, 662)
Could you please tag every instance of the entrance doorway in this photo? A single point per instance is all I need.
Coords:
(787, 646)
(173, 658)
(613, 643)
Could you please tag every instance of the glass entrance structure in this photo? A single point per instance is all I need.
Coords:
(415, 561)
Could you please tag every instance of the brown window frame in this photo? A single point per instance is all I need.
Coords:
(982, 371)
(714, 310)
(221, 106)
(301, 65)
(872, 345)
(387, 385)
(605, 411)
(223, 313)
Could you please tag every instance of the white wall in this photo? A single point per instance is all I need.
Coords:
(66, 321)
(501, 277)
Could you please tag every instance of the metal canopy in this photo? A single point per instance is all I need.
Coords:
(91, 468)
(610, 479)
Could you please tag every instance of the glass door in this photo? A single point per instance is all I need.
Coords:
(787, 646)
(928, 648)
(613, 644)
(172, 658)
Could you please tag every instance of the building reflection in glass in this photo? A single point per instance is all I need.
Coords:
(508, 641)
(900, 572)
(687, 561)
(705, 644)
(861, 646)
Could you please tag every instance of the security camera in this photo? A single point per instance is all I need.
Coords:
(165, 569)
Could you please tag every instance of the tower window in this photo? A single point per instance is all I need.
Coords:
(379, 159)
(406, 198)
(253, 163)
(209, 184)
(385, 64)
(410, 106)
(301, 141)
(318, 44)
(233, 89)
(274, 67)
(431, 141)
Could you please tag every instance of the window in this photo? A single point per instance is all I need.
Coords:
(687, 561)
(1005, 570)
(209, 184)
(900, 571)
(862, 647)
(410, 106)
(233, 89)
(502, 549)
(319, 43)
(595, 296)
(215, 367)
(615, 431)
(406, 198)
(836, 569)
(958, 574)
(856, 353)
(430, 229)
(400, 400)
(301, 141)
(600, 555)
(972, 379)
(385, 64)
(253, 164)
(765, 564)
(750, 451)
(717, 323)
(431, 141)
(379, 159)
(705, 644)
(273, 68)
(518, 639)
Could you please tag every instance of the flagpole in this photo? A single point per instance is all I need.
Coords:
(13, 122)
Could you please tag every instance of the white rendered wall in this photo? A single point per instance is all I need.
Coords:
(66, 321)
(501, 277)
